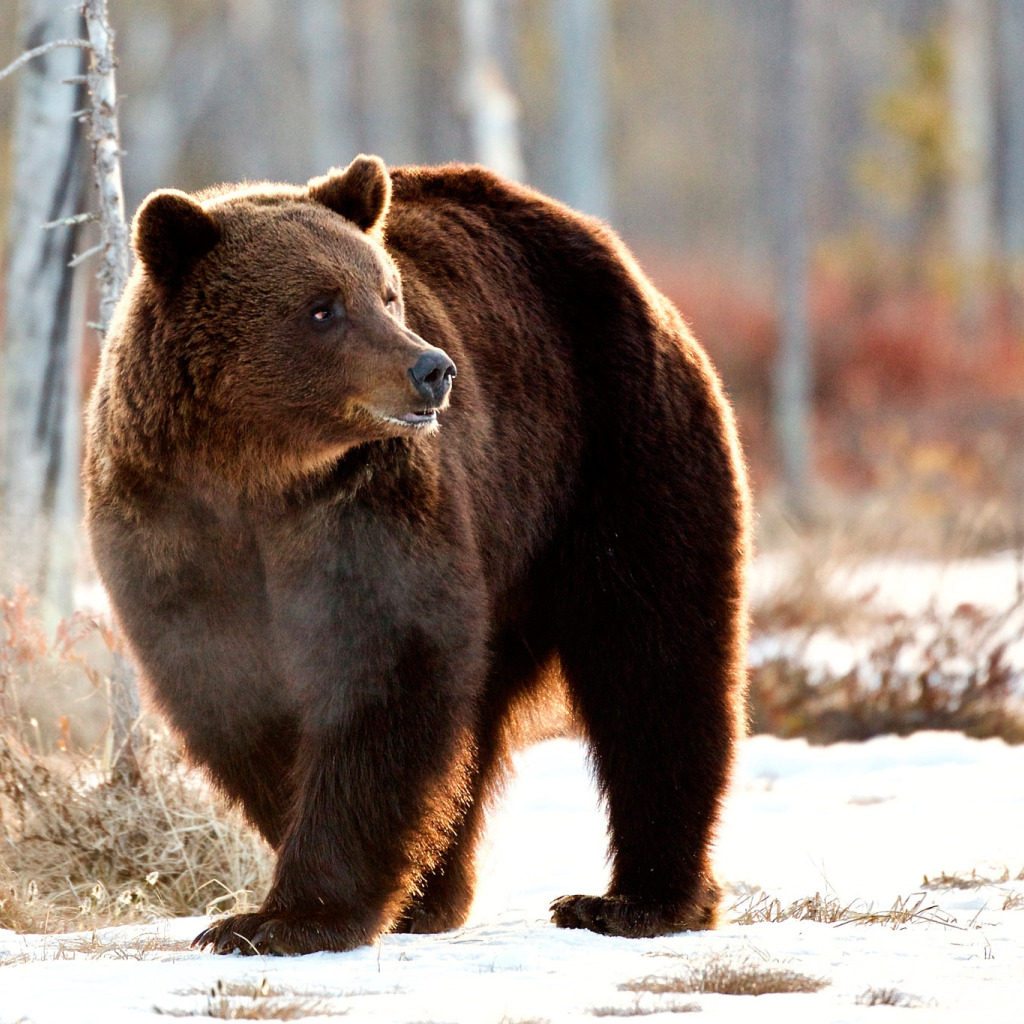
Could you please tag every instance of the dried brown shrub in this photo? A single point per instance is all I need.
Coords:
(940, 669)
(77, 851)
(725, 975)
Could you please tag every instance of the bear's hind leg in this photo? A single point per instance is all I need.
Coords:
(655, 663)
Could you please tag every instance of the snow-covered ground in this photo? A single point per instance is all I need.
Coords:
(910, 585)
(860, 823)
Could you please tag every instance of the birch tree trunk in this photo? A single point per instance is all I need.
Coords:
(490, 104)
(324, 36)
(582, 34)
(39, 400)
(792, 383)
(39, 442)
(972, 193)
(1011, 42)
(105, 140)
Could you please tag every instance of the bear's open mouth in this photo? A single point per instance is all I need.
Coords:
(416, 418)
(420, 416)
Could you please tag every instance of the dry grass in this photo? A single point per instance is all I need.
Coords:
(939, 669)
(78, 852)
(1013, 899)
(53, 688)
(972, 880)
(725, 975)
(760, 908)
(638, 1010)
(247, 1000)
(887, 997)
(95, 947)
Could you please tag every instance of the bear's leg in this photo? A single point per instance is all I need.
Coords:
(446, 891)
(231, 757)
(517, 689)
(656, 667)
(379, 781)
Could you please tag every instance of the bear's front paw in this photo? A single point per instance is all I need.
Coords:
(632, 917)
(419, 919)
(276, 935)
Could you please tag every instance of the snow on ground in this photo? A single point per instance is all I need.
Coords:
(911, 585)
(859, 822)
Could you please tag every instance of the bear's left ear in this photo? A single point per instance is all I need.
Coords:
(361, 192)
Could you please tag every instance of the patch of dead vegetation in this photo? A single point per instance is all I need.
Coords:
(638, 1010)
(939, 669)
(259, 1000)
(970, 880)
(79, 852)
(761, 908)
(723, 974)
(96, 946)
(888, 997)
(81, 848)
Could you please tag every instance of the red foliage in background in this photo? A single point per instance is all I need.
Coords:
(904, 398)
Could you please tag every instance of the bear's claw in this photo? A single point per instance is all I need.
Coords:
(275, 935)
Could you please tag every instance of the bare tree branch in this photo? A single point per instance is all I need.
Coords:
(41, 51)
(69, 222)
(83, 256)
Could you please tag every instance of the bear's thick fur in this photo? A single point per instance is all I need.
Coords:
(347, 575)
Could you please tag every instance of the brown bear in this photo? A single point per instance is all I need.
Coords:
(376, 467)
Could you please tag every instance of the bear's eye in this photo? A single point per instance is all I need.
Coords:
(391, 300)
(327, 312)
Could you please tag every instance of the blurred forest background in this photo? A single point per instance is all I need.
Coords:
(833, 193)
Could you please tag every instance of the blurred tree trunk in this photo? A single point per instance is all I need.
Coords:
(792, 383)
(1011, 41)
(582, 35)
(491, 106)
(383, 33)
(972, 192)
(323, 34)
(39, 401)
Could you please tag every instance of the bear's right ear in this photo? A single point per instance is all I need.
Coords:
(361, 193)
(170, 233)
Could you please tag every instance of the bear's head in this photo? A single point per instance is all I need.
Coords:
(263, 331)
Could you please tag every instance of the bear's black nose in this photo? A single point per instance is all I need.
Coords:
(432, 375)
